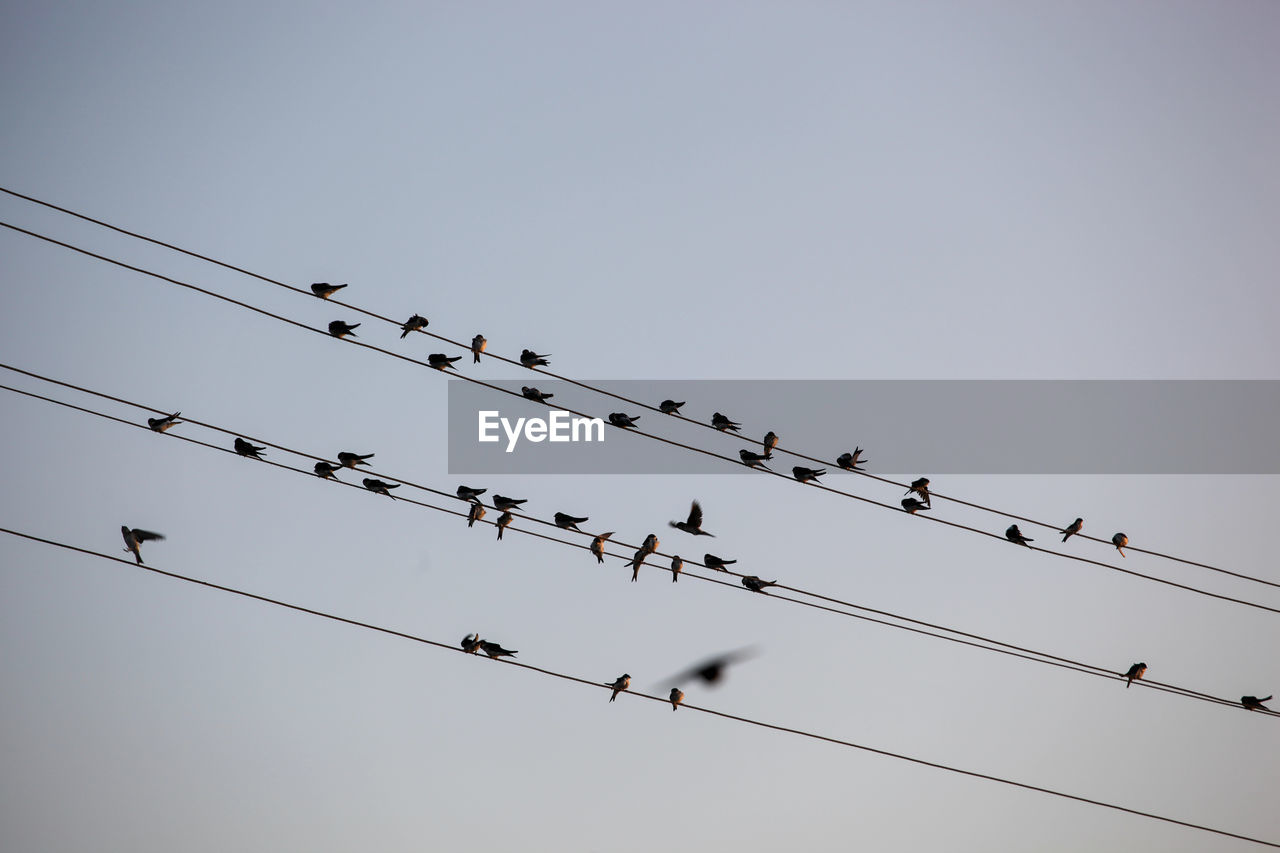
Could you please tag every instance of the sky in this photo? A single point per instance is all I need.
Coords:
(714, 191)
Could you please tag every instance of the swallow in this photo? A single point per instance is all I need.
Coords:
(597, 545)
(677, 565)
(469, 494)
(415, 323)
(618, 419)
(693, 524)
(440, 361)
(340, 329)
(471, 643)
(676, 698)
(851, 461)
(722, 423)
(351, 460)
(1135, 672)
(475, 513)
(754, 460)
(531, 359)
(1120, 540)
(324, 289)
(636, 562)
(769, 443)
(921, 488)
(1253, 703)
(478, 343)
(669, 407)
(325, 470)
(567, 522)
(244, 448)
(650, 543)
(622, 683)
(162, 424)
(1072, 529)
(1014, 535)
(134, 538)
(499, 502)
(912, 505)
(503, 521)
(712, 670)
(380, 487)
(711, 561)
(495, 650)
(754, 584)
(806, 475)
(534, 394)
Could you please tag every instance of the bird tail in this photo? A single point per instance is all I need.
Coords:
(403, 334)
(1265, 699)
(477, 357)
(1065, 538)
(499, 533)
(137, 555)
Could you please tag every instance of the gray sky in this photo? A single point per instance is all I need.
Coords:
(706, 191)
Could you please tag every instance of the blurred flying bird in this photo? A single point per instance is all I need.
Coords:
(440, 361)
(244, 448)
(711, 561)
(597, 545)
(495, 650)
(162, 424)
(851, 461)
(693, 524)
(326, 470)
(806, 475)
(471, 643)
(1072, 529)
(324, 289)
(478, 343)
(1253, 703)
(677, 565)
(754, 460)
(380, 487)
(913, 505)
(340, 329)
(351, 460)
(712, 670)
(676, 698)
(503, 521)
(620, 684)
(133, 539)
(1120, 540)
(529, 358)
(669, 407)
(416, 323)
(754, 584)
(1014, 535)
(1135, 672)
(921, 488)
(618, 419)
(722, 423)
(568, 522)
(475, 513)
(770, 442)
(499, 502)
(469, 494)
(534, 394)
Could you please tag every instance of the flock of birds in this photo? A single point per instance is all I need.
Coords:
(917, 499)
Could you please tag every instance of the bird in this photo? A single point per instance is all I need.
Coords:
(921, 488)
(415, 323)
(722, 423)
(531, 359)
(754, 584)
(495, 650)
(380, 487)
(440, 361)
(324, 289)
(597, 545)
(754, 460)
(340, 329)
(1014, 535)
(1120, 540)
(1072, 529)
(913, 505)
(806, 475)
(620, 684)
(676, 698)
(133, 539)
(851, 461)
(471, 643)
(162, 424)
(326, 470)
(475, 513)
(636, 562)
(534, 394)
(503, 521)
(351, 460)
(677, 565)
(499, 502)
(1135, 672)
(770, 442)
(478, 343)
(669, 407)
(693, 524)
(568, 522)
(619, 419)
(712, 670)
(244, 448)
(650, 543)
(711, 561)
(1253, 703)
(469, 494)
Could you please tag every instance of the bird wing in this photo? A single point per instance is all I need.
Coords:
(695, 514)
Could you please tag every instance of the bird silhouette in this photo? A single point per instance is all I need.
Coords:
(380, 487)
(134, 537)
(534, 394)
(1135, 672)
(327, 470)
(619, 419)
(1014, 535)
(1253, 703)
(851, 461)
(913, 505)
(478, 343)
(324, 289)
(806, 475)
(499, 502)
(711, 561)
(693, 524)
(1120, 540)
(921, 488)
(1072, 529)
(769, 443)
(162, 424)
(677, 565)
(351, 460)
(416, 323)
(467, 493)
(440, 361)
(476, 513)
(495, 650)
(568, 522)
(754, 460)
(471, 643)
(669, 407)
(620, 684)
(713, 670)
(597, 545)
(503, 521)
(754, 584)
(531, 359)
(676, 698)
(722, 423)
(244, 448)
(340, 329)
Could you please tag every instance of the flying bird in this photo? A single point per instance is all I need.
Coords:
(676, 698)
(722, 423)
(534, 394)
(440, 361)
(711, 561)
(712, 670)
(499, 502)
(340, 329)
(326, 470)
(806, 475)
(754, 584)
(693, 524)
(531, 359)
(754, 460)
(1014, 535)
(1253, 703)
(324, 289)
(618, 419)
(669, 407)
(770, 442)
(1072, 529)
(677, 565)
(475, 513)
(597, 545)
(471, 643)
(913, 505)
(851, 461)
(469, 494)
(351, 460)
(244, 448)
(921, 488)
(133, 539)
(380, 487)
(1120, 540)
(416, 323)
(503, 521)
(1135, 672)
(495, 650)
(622, 683)
(162, 424)
(568, 522)
(478, 343)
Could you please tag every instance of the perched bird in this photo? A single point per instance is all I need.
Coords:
(495, 650)
(133, 539)
(340, 329)
(711, 561)
(478, 343)
(244, 448)
(1014, 535)
(1072, 529)
(913, 505)
(499, 502)
(712, 670)
(469, 494)
(380, 487)
(754, 460)
(351, 460)
(534, 394)
(326, 470)
(722, 423)
(851, 461)
(636, 562)
(415, 323)
(669, 407)
(806, 475)
(324, 289)
(1253, 703)
(921, 488)
(568, 522)
(754, 584)
(440, 361)
(162, 424)
(676, 698)
(597, 545)
(622, 683)
(650, 543)
(618, 419)
(471, 643)
(475, 513)
(1135, 672)
(677, 565)
(503, 521)
(529, 358)
(770, 442)
(693, 524)
(1120, 540)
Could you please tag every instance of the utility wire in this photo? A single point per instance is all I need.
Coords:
(601, 686)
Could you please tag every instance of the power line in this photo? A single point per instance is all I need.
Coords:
(598, 685)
